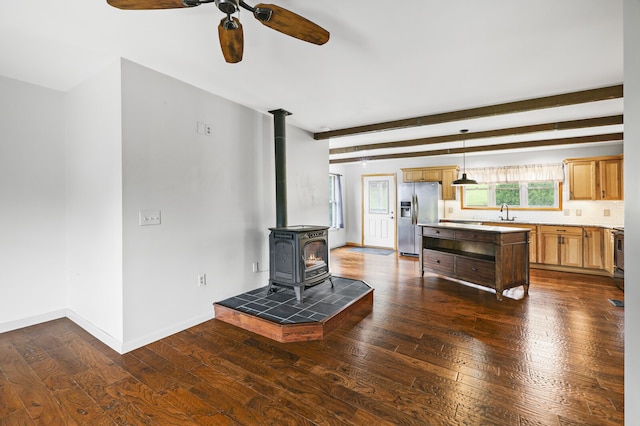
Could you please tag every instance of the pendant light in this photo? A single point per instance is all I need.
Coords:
(464, 180)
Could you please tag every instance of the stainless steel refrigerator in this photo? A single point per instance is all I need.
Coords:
(418, 203)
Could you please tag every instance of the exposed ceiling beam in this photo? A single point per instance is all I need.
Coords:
(563, 125)
(573, 98)
(609, 137)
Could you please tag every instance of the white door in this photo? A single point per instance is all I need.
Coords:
(378, 211)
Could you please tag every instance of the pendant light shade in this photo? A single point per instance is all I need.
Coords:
(464, 180)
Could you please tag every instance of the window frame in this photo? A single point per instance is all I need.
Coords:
(491, 198)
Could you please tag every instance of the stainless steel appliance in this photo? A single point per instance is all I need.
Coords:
(417, 203)
(618, 256)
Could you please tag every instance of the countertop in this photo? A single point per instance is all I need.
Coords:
(524, 222)
(475, 227)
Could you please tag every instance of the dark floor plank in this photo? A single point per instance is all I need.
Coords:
(432, 351)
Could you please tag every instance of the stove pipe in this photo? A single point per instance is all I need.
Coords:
(279, 125)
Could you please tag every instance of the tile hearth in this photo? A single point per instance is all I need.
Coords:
(281, 317)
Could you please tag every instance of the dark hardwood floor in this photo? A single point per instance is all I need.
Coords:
(432, 351)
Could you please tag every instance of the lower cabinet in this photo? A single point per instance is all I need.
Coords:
(608, 251)
(561, 245)
(593, 248)
(585, 247)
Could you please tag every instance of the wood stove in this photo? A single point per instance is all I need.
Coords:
(299, 257)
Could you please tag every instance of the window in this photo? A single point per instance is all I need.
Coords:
(378, 197)
(544, 195)
(336, 219)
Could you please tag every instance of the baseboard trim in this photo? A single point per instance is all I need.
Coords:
(131, 345)
(113, 342)
(106, 338)
(33, 320)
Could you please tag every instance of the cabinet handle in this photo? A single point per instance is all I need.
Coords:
(437, 261)
(603, 194)
(474, 269)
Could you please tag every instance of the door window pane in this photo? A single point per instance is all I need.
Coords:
(378, 197)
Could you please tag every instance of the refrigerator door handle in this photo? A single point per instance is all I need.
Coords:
(414, 210)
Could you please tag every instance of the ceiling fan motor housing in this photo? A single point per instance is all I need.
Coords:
(227, 6)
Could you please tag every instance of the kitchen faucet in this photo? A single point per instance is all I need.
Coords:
(501, 210)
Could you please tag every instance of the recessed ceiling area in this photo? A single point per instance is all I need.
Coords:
(380, 63)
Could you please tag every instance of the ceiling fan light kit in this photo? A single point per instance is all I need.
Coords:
(230, 29)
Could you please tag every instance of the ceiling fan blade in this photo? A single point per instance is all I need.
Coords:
(290, 23)
(147, 4)
(231, 39)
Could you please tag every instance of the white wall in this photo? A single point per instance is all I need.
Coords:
(592, 212)
(307, 179)
(127, 140)
(94, 205)
(632, 209)
(32, 204)
(216, 194)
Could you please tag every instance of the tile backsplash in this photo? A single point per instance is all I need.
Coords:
(599, 213)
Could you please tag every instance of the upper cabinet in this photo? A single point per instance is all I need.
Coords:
(443, 174)
(595, 178)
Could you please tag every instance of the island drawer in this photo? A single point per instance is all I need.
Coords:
(475, 270)
(475, 236)
(438, 232)
(437, 261)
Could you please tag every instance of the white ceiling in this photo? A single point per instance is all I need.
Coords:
(384, 61)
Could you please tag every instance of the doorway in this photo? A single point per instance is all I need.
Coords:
(378, 211)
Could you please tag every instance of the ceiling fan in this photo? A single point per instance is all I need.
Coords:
(230, 28)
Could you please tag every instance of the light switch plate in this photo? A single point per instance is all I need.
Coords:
(149, 217)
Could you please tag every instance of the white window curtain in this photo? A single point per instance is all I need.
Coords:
(336, 204)
(521, 173)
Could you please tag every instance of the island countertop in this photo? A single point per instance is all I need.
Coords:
(474, 227)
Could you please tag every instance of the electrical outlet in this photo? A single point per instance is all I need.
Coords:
(567, 212)
(202, 280)
(607, 212)
(578, 212)
(204, 128)
(256, 267)
(450, 210)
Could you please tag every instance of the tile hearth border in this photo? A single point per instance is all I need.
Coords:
(280, 317)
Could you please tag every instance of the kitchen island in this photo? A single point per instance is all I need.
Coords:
(496, 257)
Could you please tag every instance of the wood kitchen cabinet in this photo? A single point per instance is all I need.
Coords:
(595, 178)
(443, 174)
(561, 245)
(593, 247)
(422, 174)
(448, 176)
(608, 251)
